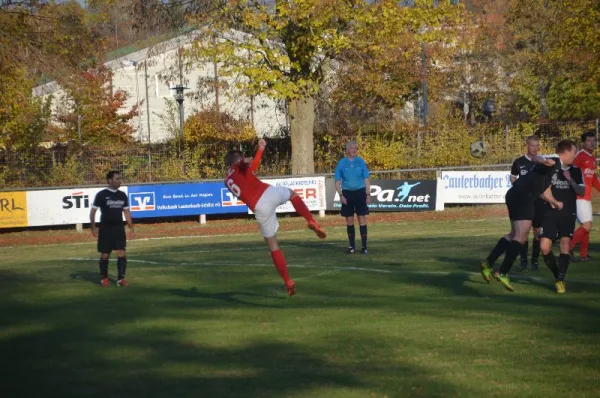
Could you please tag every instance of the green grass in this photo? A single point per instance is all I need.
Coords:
(209, 317)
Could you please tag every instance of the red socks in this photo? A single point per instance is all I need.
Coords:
(585, 243)
(280, 265)
(301, 208)
(582, 236)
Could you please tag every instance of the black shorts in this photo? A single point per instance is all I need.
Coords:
(540, 207)
(520, 205)
(557, 225)
(111, 237)
(357, 203)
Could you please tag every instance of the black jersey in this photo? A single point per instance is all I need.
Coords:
(562, 191)
(521, 166)
(111, 204)
(539, 178)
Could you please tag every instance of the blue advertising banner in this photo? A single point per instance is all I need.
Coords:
(183, 200)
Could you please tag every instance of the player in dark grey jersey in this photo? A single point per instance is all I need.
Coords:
(111, 234)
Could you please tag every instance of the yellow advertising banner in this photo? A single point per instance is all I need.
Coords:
(13, 209)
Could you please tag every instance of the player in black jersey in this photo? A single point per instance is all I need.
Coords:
(111, 234)
(520, 201)
(521, 167)
(560, 223)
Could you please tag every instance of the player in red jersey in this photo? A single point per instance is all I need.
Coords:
(586, 161)
(263, 199)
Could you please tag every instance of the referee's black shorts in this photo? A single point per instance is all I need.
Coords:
(111, 237)
(357, 203)
(540, 208)
(520, 205)
(557, 225)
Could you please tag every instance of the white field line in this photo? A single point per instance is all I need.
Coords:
(399, 234)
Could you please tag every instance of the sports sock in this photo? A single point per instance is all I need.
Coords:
(363, 235)
(351, 236)
(514, 247)
(550, 261)
(563, 266)
(497, 251)
(585, 243)
(577, 235)
(301, 208)
(524, 251)
(280, 264)
(121, 267)
(535, 251)
(104, 268)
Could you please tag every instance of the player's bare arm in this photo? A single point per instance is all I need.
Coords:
(93, 228)
(127, 214)
(368, 189)
(338, 188)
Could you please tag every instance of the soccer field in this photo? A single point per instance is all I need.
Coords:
(209, 317)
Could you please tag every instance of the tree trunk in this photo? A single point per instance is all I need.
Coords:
(302, 119)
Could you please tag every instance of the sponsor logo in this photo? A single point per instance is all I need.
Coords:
(142, 201)
(77, 200)
(228, 199)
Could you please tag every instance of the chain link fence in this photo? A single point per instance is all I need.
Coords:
(417, 153)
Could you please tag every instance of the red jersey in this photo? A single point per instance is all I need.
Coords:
(242, 182)
(587, 163)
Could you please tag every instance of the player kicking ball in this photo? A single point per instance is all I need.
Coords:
(263, 199)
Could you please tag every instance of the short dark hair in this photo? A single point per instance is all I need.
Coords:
(588, 134)
(230, 157)
(111, 174)
(533, 137)
(564, 146)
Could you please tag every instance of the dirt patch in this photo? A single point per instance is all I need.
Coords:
(241, 225)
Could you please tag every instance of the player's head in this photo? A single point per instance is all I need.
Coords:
(566, 150)
(532, 143)
(589, 141)
(113, 178)
(232, 157)
(352, 148)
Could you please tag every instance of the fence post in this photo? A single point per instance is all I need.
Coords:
(597, 128)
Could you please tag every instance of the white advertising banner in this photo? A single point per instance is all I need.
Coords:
(62, 206)
(475, 186)
(310, 189)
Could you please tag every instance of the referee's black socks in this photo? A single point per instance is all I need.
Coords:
(563, 266)
(524, 251)
(351, 236)
(513, 250)
(550, 261)
(121, 267)
(363, 236)
(535, 251)
(497, 251)
(104, 268)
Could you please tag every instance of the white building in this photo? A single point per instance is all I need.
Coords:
(268, 116)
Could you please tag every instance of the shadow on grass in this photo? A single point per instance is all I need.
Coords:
(125, 349)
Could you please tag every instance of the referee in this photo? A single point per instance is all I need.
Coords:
(111, 234)
(352, 184)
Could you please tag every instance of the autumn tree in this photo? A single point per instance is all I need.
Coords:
(89, 99)
(550, 50)
(283, 48)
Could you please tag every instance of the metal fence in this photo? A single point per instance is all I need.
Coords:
(420, 153)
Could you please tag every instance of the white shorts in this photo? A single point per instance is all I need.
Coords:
(584, 211)
(265, 209)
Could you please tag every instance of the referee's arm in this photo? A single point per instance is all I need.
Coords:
(93, 222)
(368, 189)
